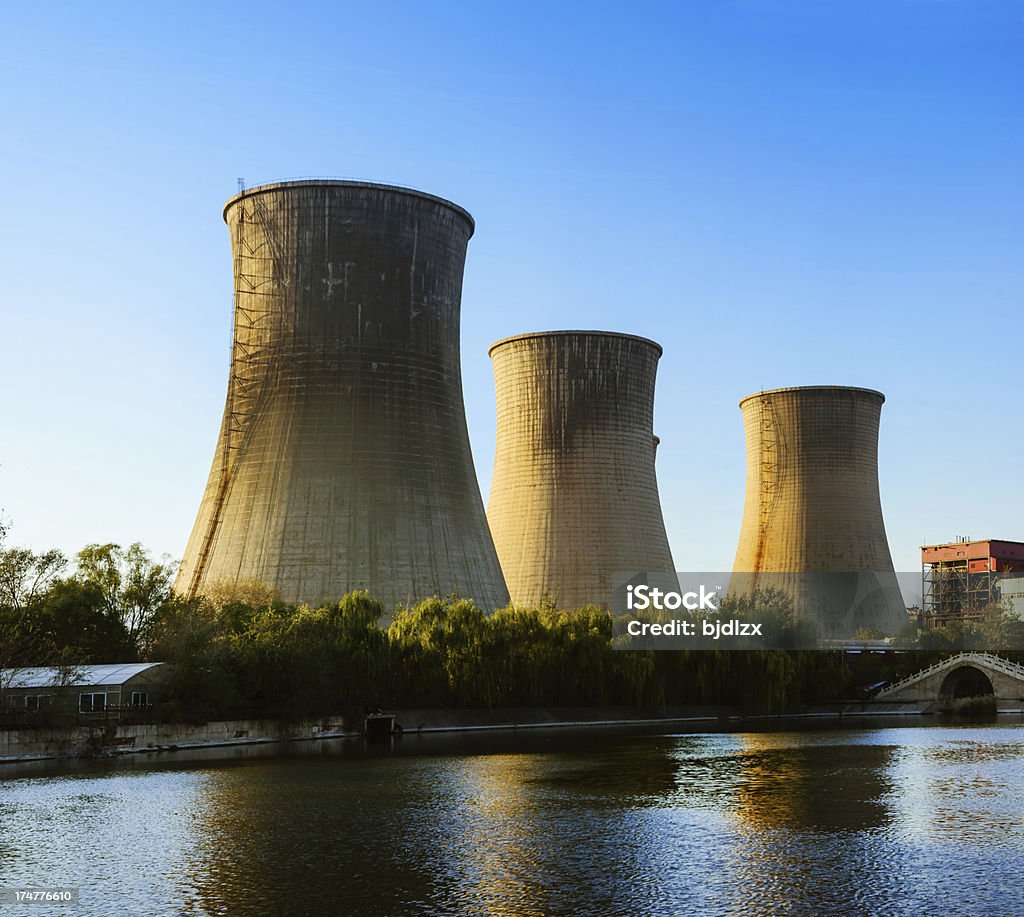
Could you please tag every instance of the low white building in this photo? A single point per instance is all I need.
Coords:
(83, 688)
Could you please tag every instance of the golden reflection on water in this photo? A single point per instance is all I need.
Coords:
(787, 788)
(881, 821)
(486, 834)
(809, 786)
(764, 798)
(500, 837)
(374, 827)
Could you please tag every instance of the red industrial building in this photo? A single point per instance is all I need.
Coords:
(960, 579)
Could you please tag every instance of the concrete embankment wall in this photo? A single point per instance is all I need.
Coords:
(19, 744)
(29, 744)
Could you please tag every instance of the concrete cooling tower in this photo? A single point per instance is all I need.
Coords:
(344, 459)
(812, 520)
(574, 498)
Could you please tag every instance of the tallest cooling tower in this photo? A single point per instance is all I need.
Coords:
(344, 459)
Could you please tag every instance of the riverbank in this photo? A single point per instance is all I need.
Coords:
(107, 740)
(112, 740)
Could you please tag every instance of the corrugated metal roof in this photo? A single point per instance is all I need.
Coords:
(84, 676)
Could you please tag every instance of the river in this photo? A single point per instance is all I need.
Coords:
(919, 820)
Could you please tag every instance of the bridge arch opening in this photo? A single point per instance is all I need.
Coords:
(965, 682)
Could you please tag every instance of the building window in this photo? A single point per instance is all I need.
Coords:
(89, 703)
(140, 698)
(38, 701)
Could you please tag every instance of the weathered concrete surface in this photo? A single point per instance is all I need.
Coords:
(344, 460)
(812, 518)
(964, 677)
(27, 743)
(574, 499)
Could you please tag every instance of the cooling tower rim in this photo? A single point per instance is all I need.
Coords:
(814, 388)
(349, 183)
(546, 334)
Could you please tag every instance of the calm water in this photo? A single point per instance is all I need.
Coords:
(881, 821)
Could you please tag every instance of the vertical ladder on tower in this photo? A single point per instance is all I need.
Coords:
(256, 307)
(771, 458)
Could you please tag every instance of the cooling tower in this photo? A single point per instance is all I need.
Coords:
(812, 520)
(344, 459)
(574, 498)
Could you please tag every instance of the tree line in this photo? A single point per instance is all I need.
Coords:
(241, 651)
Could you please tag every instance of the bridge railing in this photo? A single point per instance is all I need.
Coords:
(1002, 665)
(991, 660)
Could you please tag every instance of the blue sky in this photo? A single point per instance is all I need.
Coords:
(780, 193)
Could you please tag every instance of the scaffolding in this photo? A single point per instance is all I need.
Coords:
(953, 592)
(257, 306)
(960, 580)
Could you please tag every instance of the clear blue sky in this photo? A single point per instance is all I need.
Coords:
(780, 192)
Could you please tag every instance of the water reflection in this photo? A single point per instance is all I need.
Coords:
(810, 787)
(812, 816)
(490, 834)
(955, 794)
(897, 821)
(119, 840)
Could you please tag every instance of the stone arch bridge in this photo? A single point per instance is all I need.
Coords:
(962, 680)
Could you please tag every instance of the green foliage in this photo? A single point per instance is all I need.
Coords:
(820, 677)
(74, 621)
(100, 613)
(25, 575)
(995, 631)
(69, 621)
(241, 651)
(297, 661)
(773, 608)
(764, 679)
(202, 680)
(26, 635)
(133, 586)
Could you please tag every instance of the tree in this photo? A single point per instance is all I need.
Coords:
(76, 623)
(25, 575)
(133, 587)
(253, 593)
(21, 642)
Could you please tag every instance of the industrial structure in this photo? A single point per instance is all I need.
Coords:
(574, 498)
(812, 518)
(343, 460)
(961, 579)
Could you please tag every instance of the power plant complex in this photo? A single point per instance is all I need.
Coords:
(574, 498)
(344, 460)
(812, 518)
